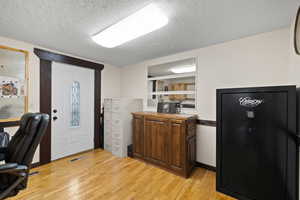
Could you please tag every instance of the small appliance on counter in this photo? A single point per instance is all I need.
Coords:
(169, 107)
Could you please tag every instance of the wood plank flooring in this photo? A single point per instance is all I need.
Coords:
(99, 175)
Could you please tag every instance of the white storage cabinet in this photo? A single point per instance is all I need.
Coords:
(118, 125)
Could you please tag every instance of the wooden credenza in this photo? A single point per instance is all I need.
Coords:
(166, 140)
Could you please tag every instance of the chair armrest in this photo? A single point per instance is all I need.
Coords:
(8, 166)
(12, 168)
(19, 171)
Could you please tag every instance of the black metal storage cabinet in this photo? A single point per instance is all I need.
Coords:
(257, 153)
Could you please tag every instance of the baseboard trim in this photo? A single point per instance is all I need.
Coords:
(76, 154)
(198, 164)
(37, 164)
(34, 165)
(205, 166)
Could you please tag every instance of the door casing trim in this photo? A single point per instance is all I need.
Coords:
(46, 59)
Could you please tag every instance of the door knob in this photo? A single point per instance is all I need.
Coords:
(55, 118)
(54, 111)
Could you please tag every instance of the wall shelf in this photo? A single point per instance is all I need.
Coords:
(163, 85)
(173, 76)
(172, 92)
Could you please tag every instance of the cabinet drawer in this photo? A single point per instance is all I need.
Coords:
(115, 101)
(116, 142)
(107, 122)
(107, 103)
(116, 106)
(107, 118)
(107, 114)
(156, 119)
(116, 122)
(116, 128)
(107, 109)
(117, 135)
(177, 121)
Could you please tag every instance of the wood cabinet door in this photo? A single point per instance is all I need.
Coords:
(191, 154)
(138, 136)
(177, 146)
(156, 141)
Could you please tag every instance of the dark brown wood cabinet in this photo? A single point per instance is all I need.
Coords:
(167, 140)
(138, 139)
(156, 141)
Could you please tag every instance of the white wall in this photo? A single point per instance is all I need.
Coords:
(110, 83)
(294, 68)
(260, 60)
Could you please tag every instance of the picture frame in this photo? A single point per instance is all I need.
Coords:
(297, 33)
(13, 84)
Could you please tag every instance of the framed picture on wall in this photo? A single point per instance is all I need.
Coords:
(297, 33)
(13, 84)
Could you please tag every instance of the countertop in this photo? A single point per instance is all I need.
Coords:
(165, 115)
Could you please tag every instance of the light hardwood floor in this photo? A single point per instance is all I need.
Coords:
(99, 175)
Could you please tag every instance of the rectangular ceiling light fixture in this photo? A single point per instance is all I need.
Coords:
(184, 69)
(144, 21)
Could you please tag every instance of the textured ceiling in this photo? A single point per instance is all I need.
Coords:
(66, 25)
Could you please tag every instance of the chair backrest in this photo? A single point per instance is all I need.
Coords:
(23, 144)
(4, 139)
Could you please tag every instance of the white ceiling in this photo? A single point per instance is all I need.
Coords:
(66, 25)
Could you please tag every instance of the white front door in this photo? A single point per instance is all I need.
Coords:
(72, 129)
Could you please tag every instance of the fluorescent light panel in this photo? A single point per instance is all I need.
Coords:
(144, 21)
(185, 69)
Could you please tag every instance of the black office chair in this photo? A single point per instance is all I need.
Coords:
(4, 140)
(19, 154)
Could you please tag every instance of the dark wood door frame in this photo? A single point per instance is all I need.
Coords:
(46, 59)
